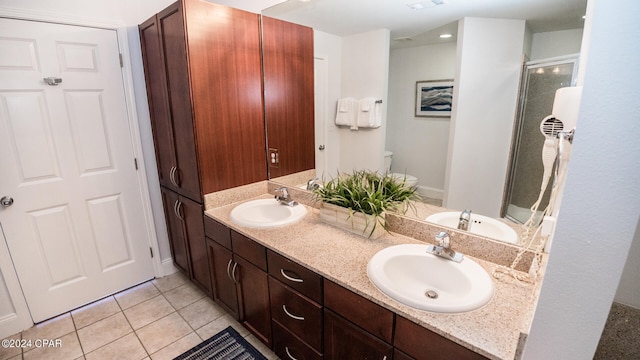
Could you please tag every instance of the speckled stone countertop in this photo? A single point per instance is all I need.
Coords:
(493, 330)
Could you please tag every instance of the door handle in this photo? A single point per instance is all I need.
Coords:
(6, 201)
(52, 81)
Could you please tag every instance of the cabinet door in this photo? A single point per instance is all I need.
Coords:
(191, 214)
(255, 312)
(174, 55)
(177, 241)
(343, 340)
(161, 124)
(224, 288)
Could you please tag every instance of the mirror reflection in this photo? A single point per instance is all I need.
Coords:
(507, 60)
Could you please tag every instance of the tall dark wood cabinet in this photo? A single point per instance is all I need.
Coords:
(202, 66)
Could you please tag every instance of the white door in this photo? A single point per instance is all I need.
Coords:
(75, 229)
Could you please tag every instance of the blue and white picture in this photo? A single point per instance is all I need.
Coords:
(433, 98)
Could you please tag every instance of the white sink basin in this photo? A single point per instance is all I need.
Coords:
(479, 225)
(266, 213)
(410, 275)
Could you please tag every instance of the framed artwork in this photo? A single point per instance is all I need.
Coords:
(433, 98)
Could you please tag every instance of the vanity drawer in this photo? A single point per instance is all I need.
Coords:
(249, 250)
(297, 313)
(295, 276)
(370, 316)
(217, 232)
(288, 346)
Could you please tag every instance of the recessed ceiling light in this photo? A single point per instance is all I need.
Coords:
(445, 36)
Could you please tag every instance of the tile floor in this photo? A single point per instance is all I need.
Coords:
(159, 319)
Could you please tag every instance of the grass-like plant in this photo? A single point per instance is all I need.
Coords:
(369, 193)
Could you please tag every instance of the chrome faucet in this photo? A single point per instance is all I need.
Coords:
(443, 248)
(313, 184)
(284, 198)
(465, 220)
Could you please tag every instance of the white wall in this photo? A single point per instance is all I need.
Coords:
(628, 292)
(600, 210)
(555, 43)
(490, 54)
(365, 73)
(419, 144)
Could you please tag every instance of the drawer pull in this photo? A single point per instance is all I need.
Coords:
(286, 348)
(298, 280)
(284, 308)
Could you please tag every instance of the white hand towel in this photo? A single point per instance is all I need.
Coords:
(368, 113)
(346, 112)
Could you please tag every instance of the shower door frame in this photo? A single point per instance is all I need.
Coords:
(519, 120)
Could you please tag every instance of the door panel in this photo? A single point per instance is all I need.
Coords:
(76, 231)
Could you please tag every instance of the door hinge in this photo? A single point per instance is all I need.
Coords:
(121, 62)
(135, 162)
(151, 251)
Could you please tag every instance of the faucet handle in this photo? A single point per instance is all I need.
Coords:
(284, 191)
(443, 240)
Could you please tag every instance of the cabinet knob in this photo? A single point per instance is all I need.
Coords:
(6, 201)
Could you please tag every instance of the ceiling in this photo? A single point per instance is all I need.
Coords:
(418, 27)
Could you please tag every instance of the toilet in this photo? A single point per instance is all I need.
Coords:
(410, 180)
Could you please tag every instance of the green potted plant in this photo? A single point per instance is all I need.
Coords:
(358, 202)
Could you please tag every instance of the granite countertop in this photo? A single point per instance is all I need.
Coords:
(493, 330)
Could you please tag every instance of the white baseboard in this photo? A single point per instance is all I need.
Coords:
(429, 192)
(12, 324)
(167, 267)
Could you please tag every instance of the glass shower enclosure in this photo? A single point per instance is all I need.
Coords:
(540, 80)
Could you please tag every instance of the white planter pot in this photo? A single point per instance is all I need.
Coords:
(356, 222)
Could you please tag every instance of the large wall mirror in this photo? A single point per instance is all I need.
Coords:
(506, 60)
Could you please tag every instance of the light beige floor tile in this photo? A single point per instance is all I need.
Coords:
(201, 312)
(9, 352)
(136, 295)
(93, 312)
(220, 324)
(17, 357)
(68, 349)
(149, 311)
(260, 346)
(184, 295)
(171, 351)
(50, 329)
(170, 282)
(127, 347)
(163, 332)
(103, 332)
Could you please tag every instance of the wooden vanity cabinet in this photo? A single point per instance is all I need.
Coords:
(354, 327)
(296, 309)
(239, 278)
(413, 341)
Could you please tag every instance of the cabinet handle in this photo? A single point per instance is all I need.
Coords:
(284, 308)
(298, 280)
(229, 269)
(233, 272)
(176, 209)
(385, 357)
(172, 175)
(286, 348)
